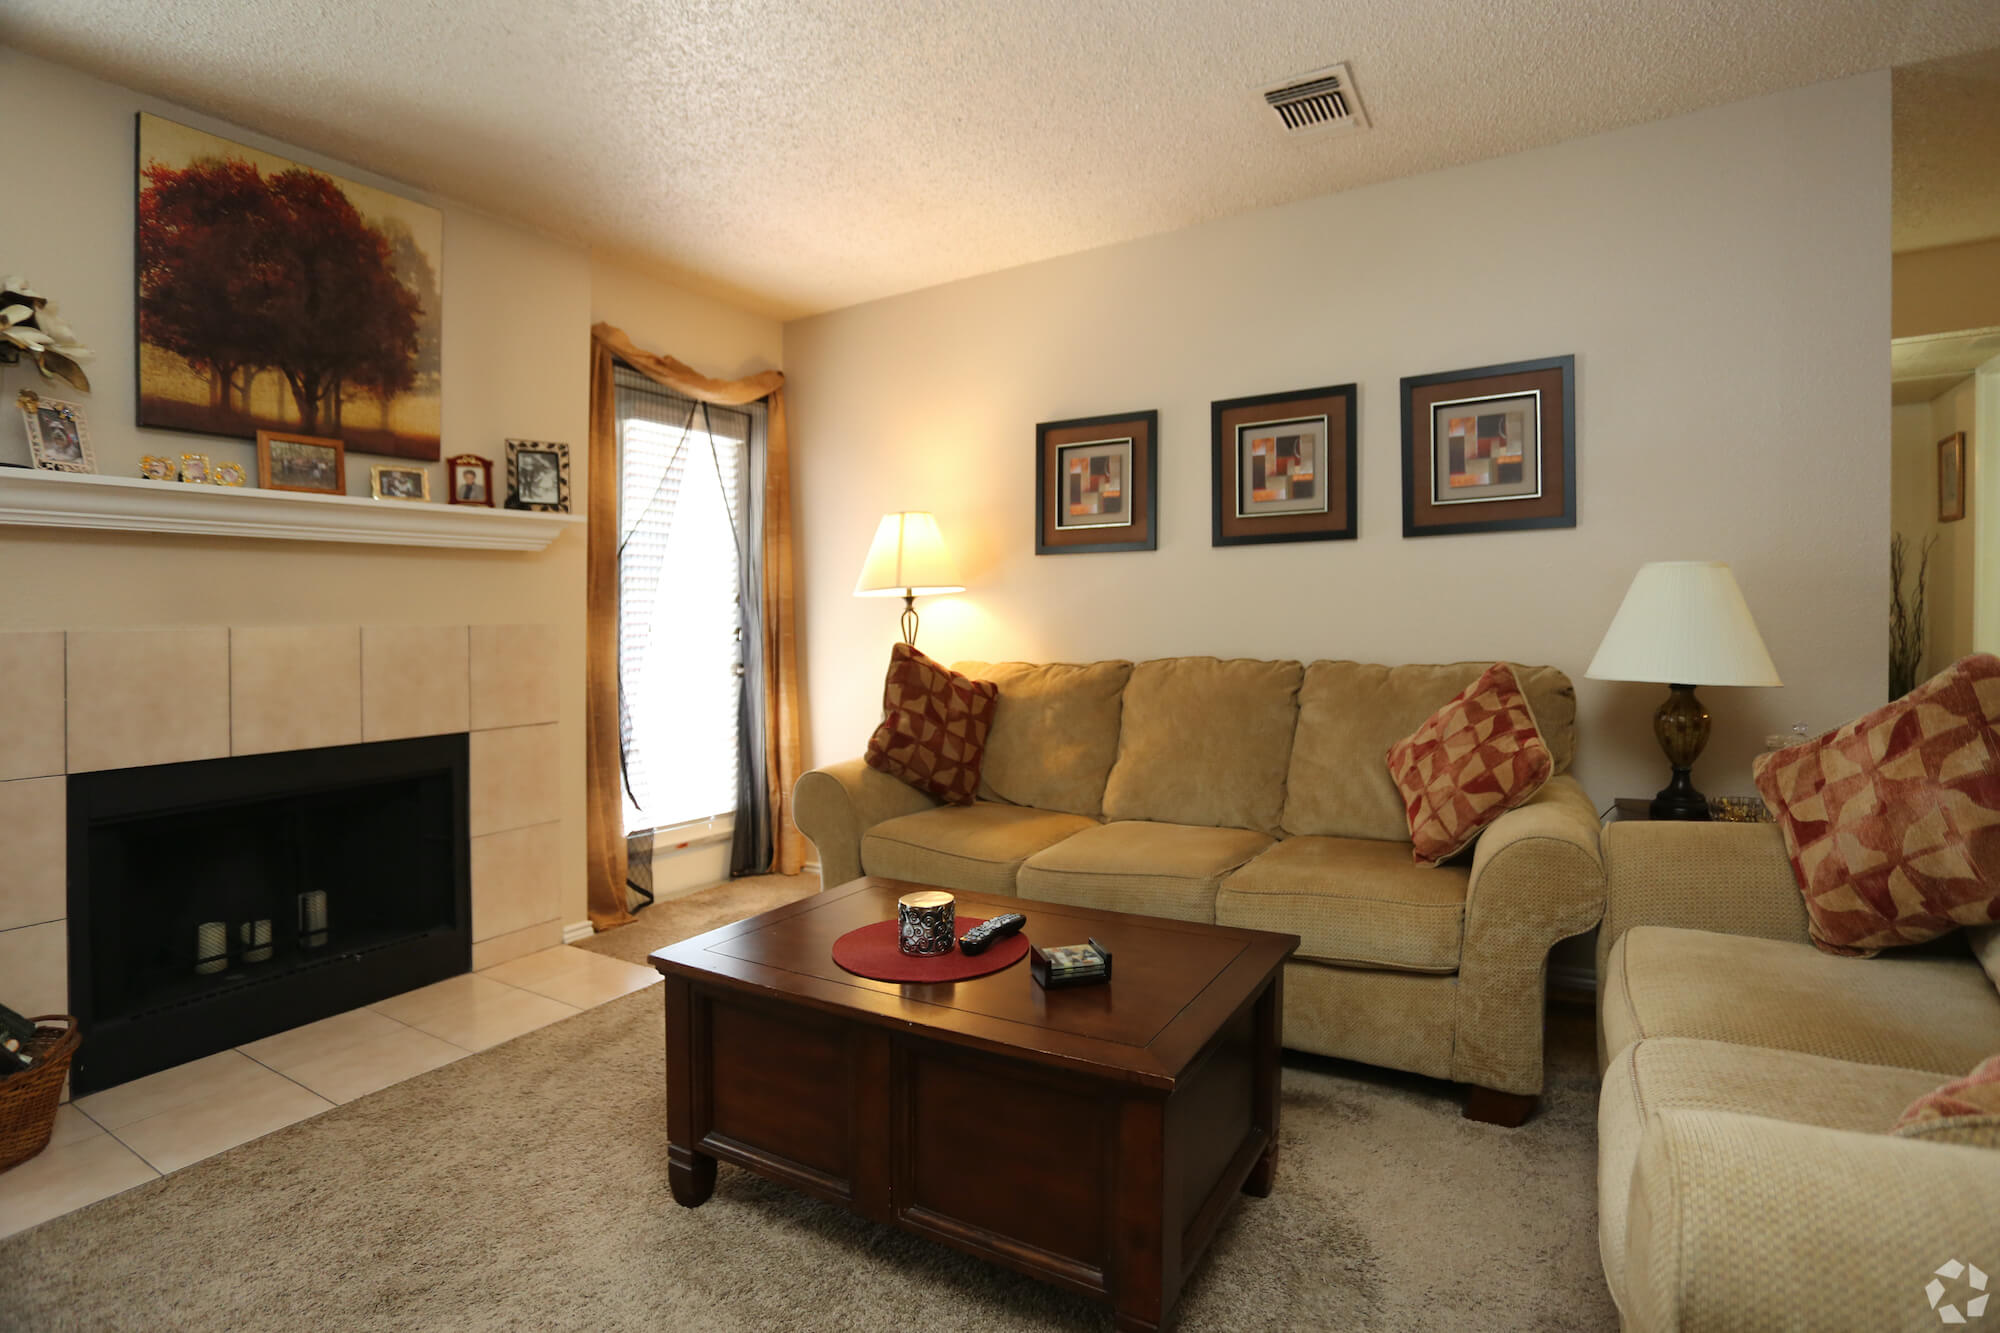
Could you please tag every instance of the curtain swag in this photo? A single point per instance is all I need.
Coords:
(779, 649)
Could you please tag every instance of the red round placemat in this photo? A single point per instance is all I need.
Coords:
(874, 952)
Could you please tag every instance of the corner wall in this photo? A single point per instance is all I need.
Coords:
(1722, 278)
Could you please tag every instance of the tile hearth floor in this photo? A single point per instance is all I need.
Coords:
(124, 1136)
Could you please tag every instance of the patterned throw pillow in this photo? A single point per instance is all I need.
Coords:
(1965, 1110)
(1469, 763)
(934, 724)
(1893, 821)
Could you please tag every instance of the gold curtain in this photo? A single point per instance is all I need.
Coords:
(606, 824)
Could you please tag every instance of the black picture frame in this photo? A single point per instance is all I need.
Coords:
(1226, 525)
(1557, 371)
(1142, 533)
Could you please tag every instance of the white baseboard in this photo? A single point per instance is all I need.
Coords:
(577, 930)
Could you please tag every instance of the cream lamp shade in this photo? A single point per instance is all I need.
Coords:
(1684, 622)
(907, 559)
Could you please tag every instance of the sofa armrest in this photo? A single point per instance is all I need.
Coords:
(836, 805)
(1741, 1222)
(1734, 879)
(1537, 877)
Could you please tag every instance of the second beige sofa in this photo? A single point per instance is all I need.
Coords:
(1256, 794)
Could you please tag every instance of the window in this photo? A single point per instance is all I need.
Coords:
(682, 517)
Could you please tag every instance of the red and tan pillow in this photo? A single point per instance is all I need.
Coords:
(1965, 1110)
(1472, 761)
(934, 725)
(1893, 821)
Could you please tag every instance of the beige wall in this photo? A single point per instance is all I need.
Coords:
(518, 307)
(716, 339)
(1947, 289)
(1732, 405)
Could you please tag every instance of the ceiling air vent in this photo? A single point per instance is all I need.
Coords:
(1322, 100)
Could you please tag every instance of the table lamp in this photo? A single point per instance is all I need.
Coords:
(907, 559)
(1683, 623)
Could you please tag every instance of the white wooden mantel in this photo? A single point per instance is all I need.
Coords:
(31, 498)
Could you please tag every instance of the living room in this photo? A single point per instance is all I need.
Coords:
(707, 318)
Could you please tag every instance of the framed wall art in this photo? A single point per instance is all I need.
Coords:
(399, 481)
(332, 291)
(1283, 467)
(538, 476)
(313, 463)
(58, 441)
(471, 480)
(1951, 478)
(1097, 484)
(1491, 449)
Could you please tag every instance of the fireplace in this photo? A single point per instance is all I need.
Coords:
(215, 902)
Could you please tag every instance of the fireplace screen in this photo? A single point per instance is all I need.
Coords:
(216, 902)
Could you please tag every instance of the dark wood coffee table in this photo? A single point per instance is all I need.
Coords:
(1093, 1137)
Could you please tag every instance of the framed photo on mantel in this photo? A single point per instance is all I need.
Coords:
(1097, 484)
(1491, 449)
(1283, 467)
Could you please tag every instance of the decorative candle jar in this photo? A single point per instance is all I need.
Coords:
(927, 922)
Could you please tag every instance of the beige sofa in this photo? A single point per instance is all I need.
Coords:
(1746, 1178)
(1257, 794)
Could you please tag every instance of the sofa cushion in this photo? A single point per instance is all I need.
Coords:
(1204, 741)
(1893, 821)
(1469, 763)
(1353, 901)
(934, 724)
(1350, 713)
(1916, 1012)
(1153, 869)
(1660, 1073)
(1965, 1110)
(1054, 735)
(974, 848)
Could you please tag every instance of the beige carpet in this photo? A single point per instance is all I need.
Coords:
(525, 1188)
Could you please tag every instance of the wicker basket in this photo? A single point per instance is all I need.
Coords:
(28, 1100)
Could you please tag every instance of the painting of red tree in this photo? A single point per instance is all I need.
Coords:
(276, 297)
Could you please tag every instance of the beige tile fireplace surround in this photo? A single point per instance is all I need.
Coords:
(96, 699)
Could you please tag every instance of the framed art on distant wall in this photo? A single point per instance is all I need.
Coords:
(313, 463)
(1283, 467)
(275, 296)
(538, 476)
(1492, 449)
(1096, 484)
(58, 441)
(471, 480)
(1951, 478)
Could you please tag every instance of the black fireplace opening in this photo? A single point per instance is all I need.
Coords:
(216, 902)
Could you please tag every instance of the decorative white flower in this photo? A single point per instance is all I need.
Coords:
(29, 324)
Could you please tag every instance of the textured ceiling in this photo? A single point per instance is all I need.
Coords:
(806, 156)
(1947, 174)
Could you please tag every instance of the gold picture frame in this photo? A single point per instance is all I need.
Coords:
(229, 474)
(58, 438)
(311, 464)
(196, 470)
(399, 481)
(158, 467)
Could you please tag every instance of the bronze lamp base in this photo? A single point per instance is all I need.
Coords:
(1682, 728)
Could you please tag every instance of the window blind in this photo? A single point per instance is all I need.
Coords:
(682, 519)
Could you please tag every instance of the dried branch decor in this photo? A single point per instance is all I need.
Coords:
(1906, 620)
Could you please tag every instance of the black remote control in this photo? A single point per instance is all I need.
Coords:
(983, 934)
